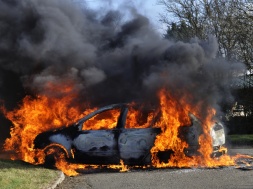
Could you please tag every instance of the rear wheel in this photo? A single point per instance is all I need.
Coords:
(54, 153)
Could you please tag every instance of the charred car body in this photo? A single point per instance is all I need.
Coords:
(109, 146)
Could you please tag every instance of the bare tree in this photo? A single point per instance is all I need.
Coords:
(230, 21)
(189, 13)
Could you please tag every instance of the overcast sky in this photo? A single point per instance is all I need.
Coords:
(149, 8)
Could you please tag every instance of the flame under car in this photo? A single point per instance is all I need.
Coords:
(110, 146)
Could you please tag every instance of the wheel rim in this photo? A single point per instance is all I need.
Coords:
(54, 153)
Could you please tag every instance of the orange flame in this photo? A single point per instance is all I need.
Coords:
(174, 115)
(104, 120)
(36, 116)
(40, 114)
(137, 119)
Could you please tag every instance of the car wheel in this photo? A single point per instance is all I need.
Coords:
(54, 153)
(218, 151)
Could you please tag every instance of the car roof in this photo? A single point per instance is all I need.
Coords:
(99, 110)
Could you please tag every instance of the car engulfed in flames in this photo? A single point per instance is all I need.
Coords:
(120, 142)
(48, 131)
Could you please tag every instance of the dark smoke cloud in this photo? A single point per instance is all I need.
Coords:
(111, 59)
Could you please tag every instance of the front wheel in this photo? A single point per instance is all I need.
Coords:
(218, 151)
(54, 153)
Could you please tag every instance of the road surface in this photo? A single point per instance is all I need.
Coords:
(228, 177)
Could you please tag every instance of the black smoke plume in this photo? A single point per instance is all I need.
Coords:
(111, 59)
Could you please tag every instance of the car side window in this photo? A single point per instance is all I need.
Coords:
(103, 120)
(139, 118)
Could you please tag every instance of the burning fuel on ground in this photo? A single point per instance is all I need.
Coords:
(60, 61)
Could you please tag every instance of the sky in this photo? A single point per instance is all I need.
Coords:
(149, 8)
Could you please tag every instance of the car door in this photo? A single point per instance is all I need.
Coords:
(135, 143)
(99, 145)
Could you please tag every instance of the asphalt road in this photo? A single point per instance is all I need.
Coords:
(228, 177)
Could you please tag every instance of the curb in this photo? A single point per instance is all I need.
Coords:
(58, 181)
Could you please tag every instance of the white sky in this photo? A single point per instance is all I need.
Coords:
(149, 8)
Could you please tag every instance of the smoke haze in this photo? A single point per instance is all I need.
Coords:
(111, 59)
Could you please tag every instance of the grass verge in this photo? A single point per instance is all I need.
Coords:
(21, 175)
(237, 140)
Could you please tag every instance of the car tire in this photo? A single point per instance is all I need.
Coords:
(54, 153)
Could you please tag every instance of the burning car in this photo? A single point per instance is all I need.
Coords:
(80, 143)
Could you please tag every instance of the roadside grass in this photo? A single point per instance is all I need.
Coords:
(21, 175)
(237, 140)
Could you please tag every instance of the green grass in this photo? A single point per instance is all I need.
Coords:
(20, 175)
(240, 139)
